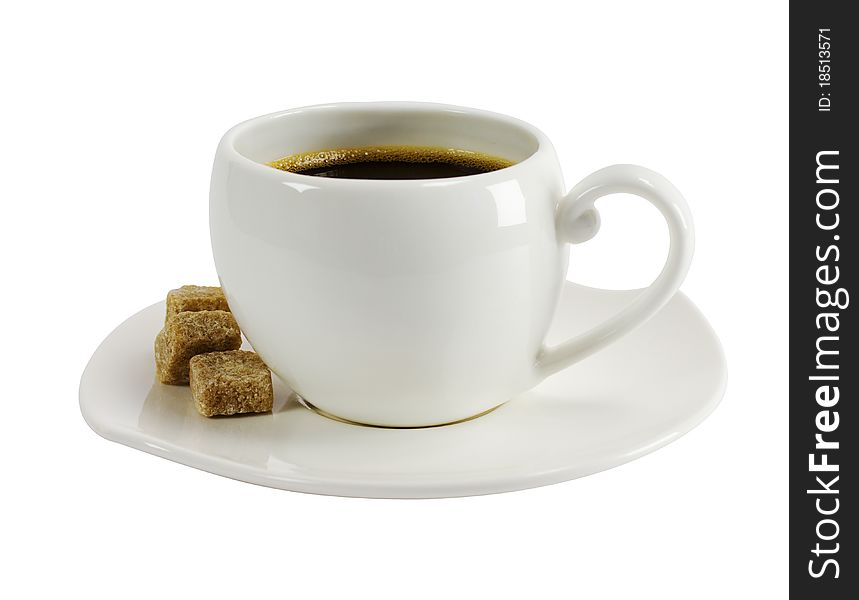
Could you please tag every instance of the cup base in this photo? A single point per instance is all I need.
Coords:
(328, 415)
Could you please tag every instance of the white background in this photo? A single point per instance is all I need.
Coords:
(110, 118)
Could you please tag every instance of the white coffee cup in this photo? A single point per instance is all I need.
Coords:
(414, 302)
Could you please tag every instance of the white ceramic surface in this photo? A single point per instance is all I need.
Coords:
(429, 298)
(638, 395)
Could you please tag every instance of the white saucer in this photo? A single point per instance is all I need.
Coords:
(626, 401)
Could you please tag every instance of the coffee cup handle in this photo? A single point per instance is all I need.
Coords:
(577, 220)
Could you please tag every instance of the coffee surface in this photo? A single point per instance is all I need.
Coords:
(391, 162)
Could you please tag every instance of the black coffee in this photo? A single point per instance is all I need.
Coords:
(391, 162)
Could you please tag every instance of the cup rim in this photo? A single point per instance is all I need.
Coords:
(229, 139)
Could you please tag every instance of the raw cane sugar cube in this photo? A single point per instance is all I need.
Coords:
(187, 334)
(229, 383)
(195, 298)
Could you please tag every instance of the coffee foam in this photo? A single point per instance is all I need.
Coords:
(306, 161)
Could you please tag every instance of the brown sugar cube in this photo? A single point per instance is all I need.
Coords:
(228, 383)
(187, 334)
(195, 298)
